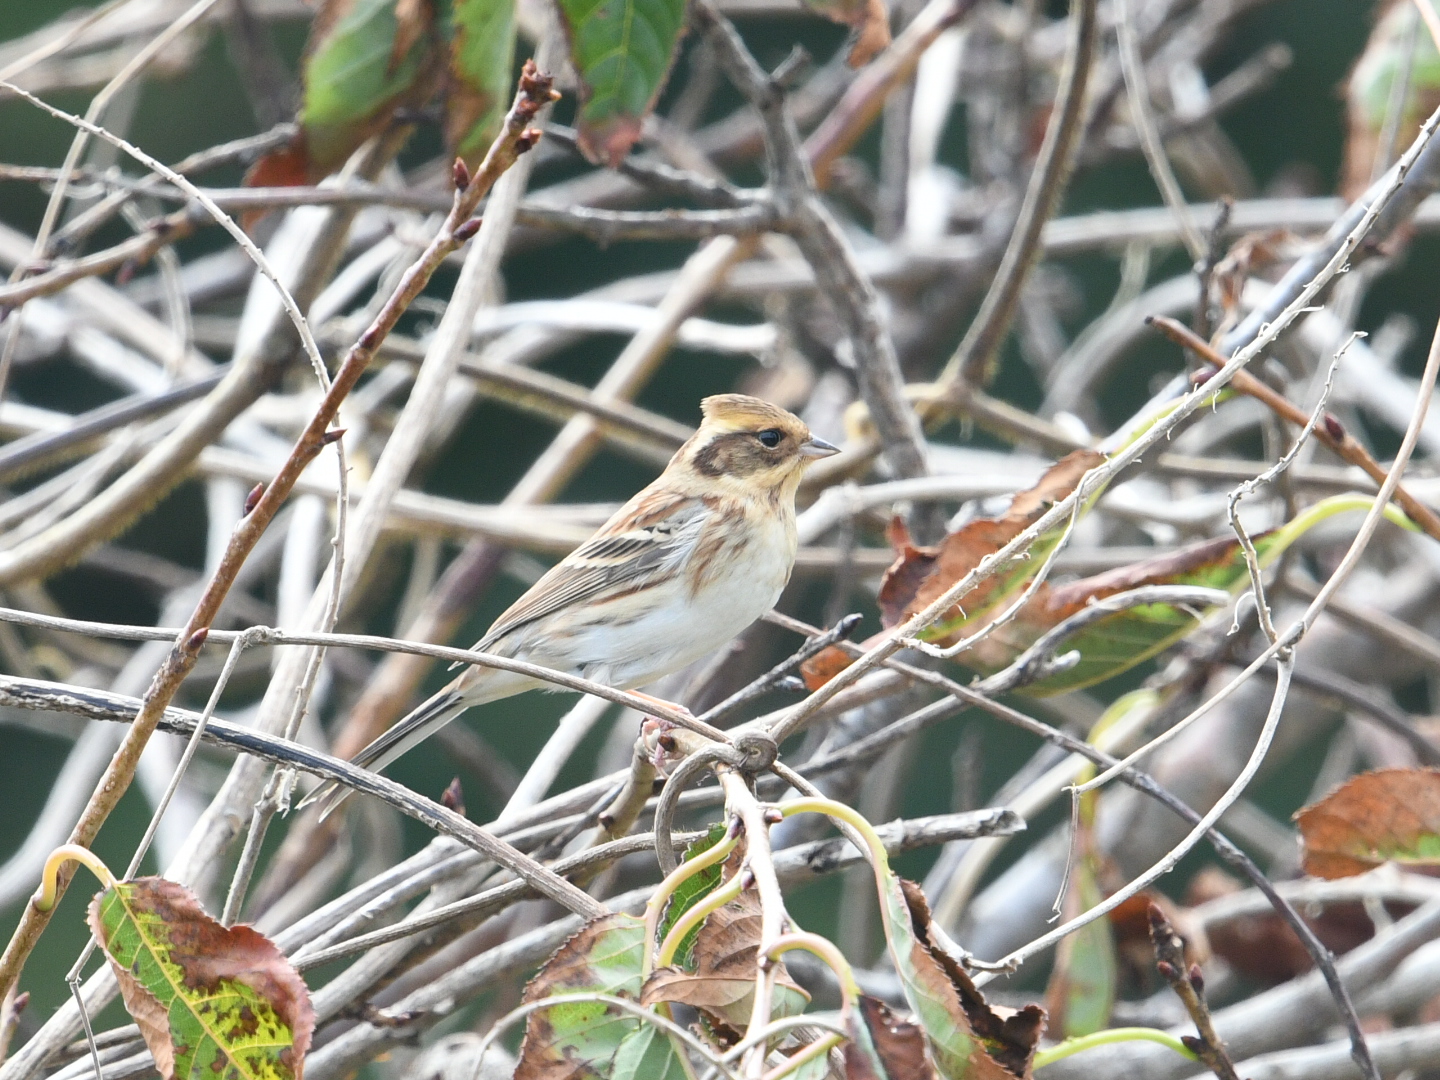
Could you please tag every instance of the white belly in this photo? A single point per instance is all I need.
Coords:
(676, 628)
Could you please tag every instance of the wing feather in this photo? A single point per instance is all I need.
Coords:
(646, 540)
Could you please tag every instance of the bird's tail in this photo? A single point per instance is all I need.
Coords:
(426, 719)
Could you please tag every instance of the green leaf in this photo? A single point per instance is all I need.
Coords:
(365, 58)
(647, 1054)
(1082, 987)
(582, 1038)
(691, 891)
(482, 55)
(212, 1002)
(968, 1039)
(622, 50)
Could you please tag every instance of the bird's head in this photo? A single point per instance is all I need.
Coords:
(750, 445)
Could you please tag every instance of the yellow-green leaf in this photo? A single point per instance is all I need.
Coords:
(212, 1002)
(582, 1038)
(482, 55)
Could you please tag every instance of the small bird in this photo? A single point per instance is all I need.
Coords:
(678, 571)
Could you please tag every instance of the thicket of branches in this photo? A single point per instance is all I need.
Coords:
(1149, 615)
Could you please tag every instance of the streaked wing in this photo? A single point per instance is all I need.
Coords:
(647, 540)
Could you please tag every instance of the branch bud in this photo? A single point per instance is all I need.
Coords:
(460, 174)
(453, 798)
(333, 435)
(1333, 427)
(196, 640)
(1197, 978)
(466, 230)
(252, 500)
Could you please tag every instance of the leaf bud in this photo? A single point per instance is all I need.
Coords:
(252, 500)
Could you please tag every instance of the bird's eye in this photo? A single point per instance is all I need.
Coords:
(769, 438)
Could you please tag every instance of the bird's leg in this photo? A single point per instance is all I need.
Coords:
(662, 703)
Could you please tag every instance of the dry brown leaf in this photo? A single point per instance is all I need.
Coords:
(899, 1044)
(1371, 819)
(1007, 1037)
(725, 954)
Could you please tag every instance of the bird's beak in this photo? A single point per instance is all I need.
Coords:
(817, 447)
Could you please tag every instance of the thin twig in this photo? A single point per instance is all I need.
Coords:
(975, 359)
(515, 139)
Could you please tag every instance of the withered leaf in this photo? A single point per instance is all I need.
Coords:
(1373, 818)
(724, 956)
(969, 1038)
(903, 592)
(884, 1046)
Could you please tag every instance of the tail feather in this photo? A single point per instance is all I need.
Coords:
(426, 719)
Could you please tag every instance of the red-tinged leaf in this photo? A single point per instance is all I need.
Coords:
(622, 50)
(921, 575)
(1374, 818)
(1126, 638)
(364, 59)
(884, 1046)
(209, 1000)
(482, 55)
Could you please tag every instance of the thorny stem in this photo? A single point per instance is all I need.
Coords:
(516, 137)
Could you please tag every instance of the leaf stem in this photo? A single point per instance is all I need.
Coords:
(826, 950)
(695, 916)
(814, 1050)
(1114, 1035)
(847, 814)
(655, 907)
(49, 891)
